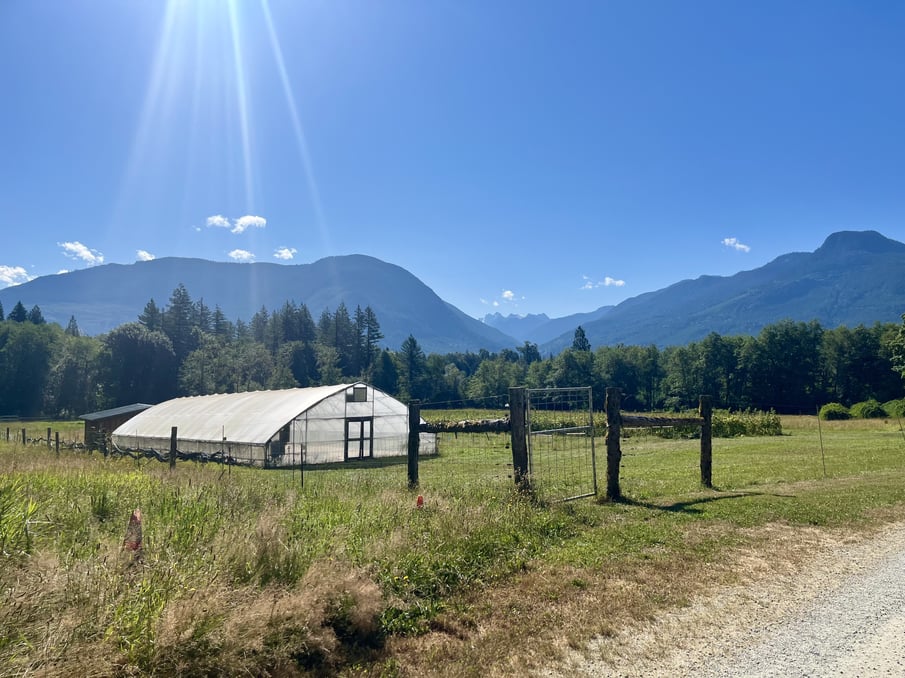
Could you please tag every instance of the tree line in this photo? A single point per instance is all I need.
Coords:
(188, 348)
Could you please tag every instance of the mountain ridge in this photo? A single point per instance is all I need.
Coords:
(103, 297)
(854, 277)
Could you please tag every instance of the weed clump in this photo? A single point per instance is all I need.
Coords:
(328, 621)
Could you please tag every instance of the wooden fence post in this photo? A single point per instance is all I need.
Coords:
(172, 448)
(58, 443)
(24, 439)
(613, 451)
(518, 419)
(414, 446)
(48, 437)
(705, 410)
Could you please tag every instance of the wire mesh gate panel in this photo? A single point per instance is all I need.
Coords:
(473, 463)
(561, 459)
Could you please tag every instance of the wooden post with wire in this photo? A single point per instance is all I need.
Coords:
(518, 418)
(414, 443)
(705, 411)
(613, 451)
(172, 448)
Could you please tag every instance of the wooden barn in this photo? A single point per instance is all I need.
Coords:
(99, 425)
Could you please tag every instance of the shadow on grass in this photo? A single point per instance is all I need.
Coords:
(372, 462)
(690, 506)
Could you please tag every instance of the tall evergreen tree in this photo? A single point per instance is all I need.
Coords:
(385, 374)
(151, 317)
(580, 340)
(35, 317)
(344, 340)
(372, 338)
(1, 311)
(258, 325)
(326, 331)
(220, 326)
(202, 316)
(413, 363)
(179, 322)
(18, 314)
(72, 329)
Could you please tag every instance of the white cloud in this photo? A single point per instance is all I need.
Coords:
(590, 284)
(736, 245)
(218, 221)
(248, 221)
(13, 275)
(239, 225)
(285, 253)
(76, 250)
(62, 271)
(144, 255)
(242, 255)
(508, 295)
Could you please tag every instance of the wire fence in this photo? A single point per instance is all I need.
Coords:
(567, 454)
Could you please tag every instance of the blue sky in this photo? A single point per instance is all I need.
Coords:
(520, 157)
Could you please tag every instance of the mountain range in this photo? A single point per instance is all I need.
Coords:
(855, 277)
(103, 297)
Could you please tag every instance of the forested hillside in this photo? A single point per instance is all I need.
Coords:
(186, 348)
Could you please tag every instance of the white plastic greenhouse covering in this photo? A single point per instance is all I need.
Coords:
(288, 427)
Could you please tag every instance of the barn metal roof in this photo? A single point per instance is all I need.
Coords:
(250, 417)
(115, 412)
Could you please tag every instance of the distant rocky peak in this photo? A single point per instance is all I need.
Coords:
(849, 242)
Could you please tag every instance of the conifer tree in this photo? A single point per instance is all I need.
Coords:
(18, 314)
(35, 317)
(72, 329)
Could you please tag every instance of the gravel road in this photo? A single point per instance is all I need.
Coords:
(841, 613)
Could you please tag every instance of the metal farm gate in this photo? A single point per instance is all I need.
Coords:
(561, 459)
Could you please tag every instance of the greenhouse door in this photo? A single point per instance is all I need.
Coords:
(359, 438)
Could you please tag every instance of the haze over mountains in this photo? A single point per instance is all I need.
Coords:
(853, 278)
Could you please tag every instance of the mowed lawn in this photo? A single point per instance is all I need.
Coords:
(337, 571)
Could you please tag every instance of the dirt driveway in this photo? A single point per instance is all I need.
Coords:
(838, 612)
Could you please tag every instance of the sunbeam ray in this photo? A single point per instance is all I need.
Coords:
(242, 101)
(297, 128)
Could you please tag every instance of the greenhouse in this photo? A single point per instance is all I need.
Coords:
(290, 427)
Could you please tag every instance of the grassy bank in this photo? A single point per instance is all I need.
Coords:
(337, 571)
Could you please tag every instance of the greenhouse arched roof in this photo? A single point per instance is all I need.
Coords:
(250, 417)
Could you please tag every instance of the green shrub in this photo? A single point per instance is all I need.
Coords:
(869, 409)
(895, 408)
(834, 412)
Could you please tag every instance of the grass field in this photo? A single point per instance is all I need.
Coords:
(338, 572)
